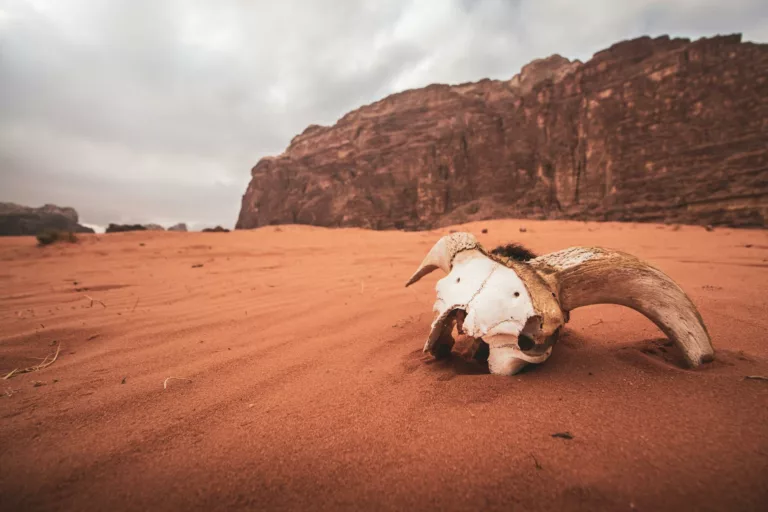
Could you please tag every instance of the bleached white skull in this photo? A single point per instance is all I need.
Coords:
(518, 308)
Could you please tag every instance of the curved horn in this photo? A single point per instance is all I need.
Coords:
(585, 276)
(442, 253)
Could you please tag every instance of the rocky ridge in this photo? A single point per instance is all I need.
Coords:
(662, 130)
(18, 220)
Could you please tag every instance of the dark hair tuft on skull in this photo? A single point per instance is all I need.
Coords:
(514, 251)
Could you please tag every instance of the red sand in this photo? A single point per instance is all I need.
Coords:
(309, 390)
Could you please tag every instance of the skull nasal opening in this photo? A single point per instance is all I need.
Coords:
(460, 316)
(525, 342)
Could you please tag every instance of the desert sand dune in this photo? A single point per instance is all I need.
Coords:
(307, 388)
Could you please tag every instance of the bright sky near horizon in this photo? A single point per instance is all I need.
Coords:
(139, 111)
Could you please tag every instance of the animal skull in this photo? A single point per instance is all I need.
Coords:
(518, 308)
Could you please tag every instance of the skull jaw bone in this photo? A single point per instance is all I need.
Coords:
(508, 360)
(502, 360)
(504, 356)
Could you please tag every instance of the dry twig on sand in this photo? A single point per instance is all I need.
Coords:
(94, 300)
(165, 382)
(136, 304)
(755, 377)
(44, 364)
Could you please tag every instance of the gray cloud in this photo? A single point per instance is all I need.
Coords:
(146, 111)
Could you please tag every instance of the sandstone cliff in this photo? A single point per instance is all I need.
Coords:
(647, 130)
(17, 220)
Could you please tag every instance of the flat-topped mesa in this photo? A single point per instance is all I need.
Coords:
(628, 135)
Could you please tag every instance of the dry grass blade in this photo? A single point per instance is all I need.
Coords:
(37, 367)
(756, 377)
(165, 382)
(94, 300)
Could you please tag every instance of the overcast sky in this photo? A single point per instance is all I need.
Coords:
(155, 110)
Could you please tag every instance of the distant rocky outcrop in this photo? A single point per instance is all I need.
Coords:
(17, 220)
(154, 227)
(120, 228)
(663, 130)
(178, 227)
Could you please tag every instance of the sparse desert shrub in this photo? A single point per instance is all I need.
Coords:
(217, 229)
(51, 236)
(120, 228)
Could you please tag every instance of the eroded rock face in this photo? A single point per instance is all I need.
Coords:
(178, 227)
(18, 220)
(663, 130)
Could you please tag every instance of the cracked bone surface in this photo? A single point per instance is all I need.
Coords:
(518, 308)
